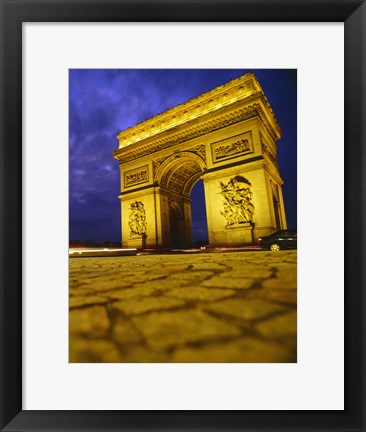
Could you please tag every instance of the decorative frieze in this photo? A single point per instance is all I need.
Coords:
(232, 147)
(137, 218)
(238, 207)
(125, 155)
(136, 176)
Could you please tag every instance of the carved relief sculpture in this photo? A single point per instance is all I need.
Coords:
(231, 149)
(157, 163)
(136, 176)
(201, 151)
(238, 207)
(194, 132)
(137, 218)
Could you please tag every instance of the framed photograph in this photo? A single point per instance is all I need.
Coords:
(209, 325)
(202, 190)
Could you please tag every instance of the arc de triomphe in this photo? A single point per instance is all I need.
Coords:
(226, 137)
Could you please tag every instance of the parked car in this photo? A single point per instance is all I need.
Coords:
(284, 239)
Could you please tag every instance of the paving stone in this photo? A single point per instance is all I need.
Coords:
(175, 268)
(86, 300)
(123, 332)
(167, 329)
(288, 297)
(228, 282)
(246, 265)
(93, 351)
(127, 293)
(198, 293)
(140, 305)
(92, 320)
(280, 283)
(79, 292)
(244, 350)
(80, 283)
(151, 275)
(245, 309)
(288, 273)
(106, 283)
(279, 326)
(143, 354)
(147, 311)
(249, 273)
(210, 266)
(164, 284)
(191, 275)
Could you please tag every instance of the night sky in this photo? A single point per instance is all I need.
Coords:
(105, 101)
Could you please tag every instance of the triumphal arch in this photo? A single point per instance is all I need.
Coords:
(226, 137)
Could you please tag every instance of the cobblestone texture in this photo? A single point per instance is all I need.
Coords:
(209, 307)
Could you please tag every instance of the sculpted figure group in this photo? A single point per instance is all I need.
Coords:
(238, 207)
(137, 218)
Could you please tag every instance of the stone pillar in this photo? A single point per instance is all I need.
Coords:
(141, 219)
(163, 221)
(187, 222)
(230, 210)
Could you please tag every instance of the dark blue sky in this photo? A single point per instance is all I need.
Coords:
(105, 101)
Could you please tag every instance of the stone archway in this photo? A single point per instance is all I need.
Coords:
(176, 176)
(226, 137)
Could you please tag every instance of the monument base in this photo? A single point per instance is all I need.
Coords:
(234, 235)
(239, 234)
(137, 241)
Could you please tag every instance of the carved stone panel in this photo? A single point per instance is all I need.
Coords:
(231, 147)
(268, 153)
(238, 207)
(204, 128)
(136, 176)
(137, 218)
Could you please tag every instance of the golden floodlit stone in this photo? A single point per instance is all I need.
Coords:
(226, 137)
(205, 316)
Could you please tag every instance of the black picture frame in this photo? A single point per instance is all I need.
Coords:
(13, 14)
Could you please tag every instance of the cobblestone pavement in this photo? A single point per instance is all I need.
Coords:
(209, 307)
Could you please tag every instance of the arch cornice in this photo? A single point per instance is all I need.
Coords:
(242, 89)
(194, 129)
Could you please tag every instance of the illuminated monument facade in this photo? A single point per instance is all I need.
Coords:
(226, 137)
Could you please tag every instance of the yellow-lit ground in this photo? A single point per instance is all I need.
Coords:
(207, 307)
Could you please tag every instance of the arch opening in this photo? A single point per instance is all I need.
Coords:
(177, 178)
(176, 220)
(180, 172)
(199, 215)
